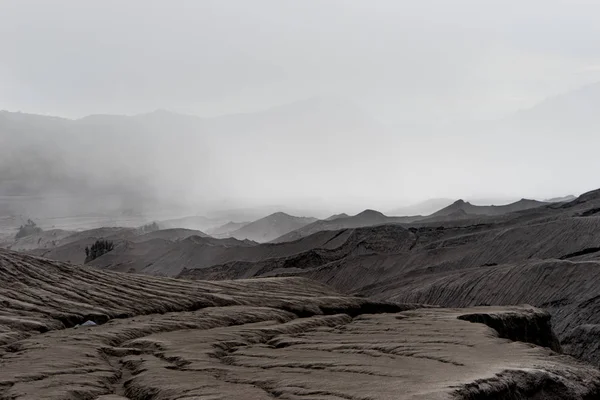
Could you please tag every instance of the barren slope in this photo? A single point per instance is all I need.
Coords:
(39, 295)
(72, 248)
(311, 252)
(68, 246)
(194, 253)
(167, 258)
(260, 339)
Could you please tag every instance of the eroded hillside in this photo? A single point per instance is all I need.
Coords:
(290, 338)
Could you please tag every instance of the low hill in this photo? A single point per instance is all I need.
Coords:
(363, 219)
(251, 339)
(564, 199)
(453, 216)
(166, 258)
(72, 248)
(173, 234)
(336, 216)
(271, 227)
(470, 209)
(286, 258)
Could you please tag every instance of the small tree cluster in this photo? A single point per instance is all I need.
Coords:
(99, 248)
(30, 228)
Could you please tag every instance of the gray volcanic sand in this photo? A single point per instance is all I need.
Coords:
(286, 338)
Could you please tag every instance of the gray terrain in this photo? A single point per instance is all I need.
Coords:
(299, 200)
(493, 259)
(156, 338)
(546, 256)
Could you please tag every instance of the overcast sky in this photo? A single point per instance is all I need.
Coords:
(400, 60)
(406, 65)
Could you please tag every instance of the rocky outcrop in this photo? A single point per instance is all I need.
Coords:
(526, 385)
(529, 325)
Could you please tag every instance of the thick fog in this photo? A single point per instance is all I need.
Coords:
(317, 106)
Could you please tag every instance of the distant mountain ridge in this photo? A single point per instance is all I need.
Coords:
(196, 222)
(561, 199)
(271, 227)
(336, 216)
(492, 210)
(459, 210)
(426, 207)
(226, 229)
(362, 219)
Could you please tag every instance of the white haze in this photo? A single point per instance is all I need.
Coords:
(313, 105)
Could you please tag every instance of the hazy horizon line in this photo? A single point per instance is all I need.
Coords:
(275, 106)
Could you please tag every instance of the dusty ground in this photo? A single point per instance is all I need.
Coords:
(39, 295)
(285, 338)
